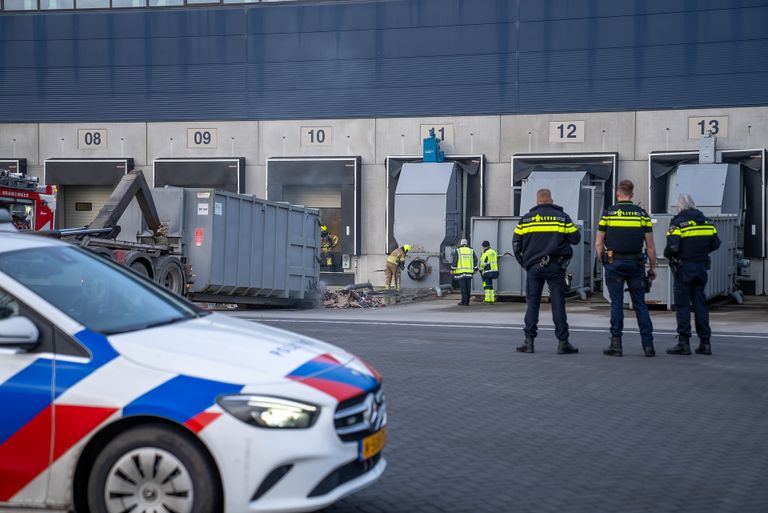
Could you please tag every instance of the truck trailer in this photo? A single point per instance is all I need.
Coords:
(206, 244)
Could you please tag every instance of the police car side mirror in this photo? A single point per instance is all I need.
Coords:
(18, 332)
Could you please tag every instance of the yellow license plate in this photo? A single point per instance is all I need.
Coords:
(373, 444)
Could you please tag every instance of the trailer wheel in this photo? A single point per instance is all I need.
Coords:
(169, 273)
(103, 252)
(140, 269)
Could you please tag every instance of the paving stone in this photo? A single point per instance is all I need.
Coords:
(476, 427)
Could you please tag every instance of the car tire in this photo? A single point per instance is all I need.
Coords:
(153, 468)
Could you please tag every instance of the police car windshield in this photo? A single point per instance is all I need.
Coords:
(98, 294)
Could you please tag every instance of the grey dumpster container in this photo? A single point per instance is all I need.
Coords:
(512, 283)
(498, 231)
(248, 250)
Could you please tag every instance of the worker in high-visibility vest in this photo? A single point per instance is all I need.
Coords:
(489, 270)
(395, 264)
(463, 266)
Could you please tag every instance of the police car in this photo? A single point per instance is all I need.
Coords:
(119, 397)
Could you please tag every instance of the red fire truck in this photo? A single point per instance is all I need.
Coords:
(32, 205)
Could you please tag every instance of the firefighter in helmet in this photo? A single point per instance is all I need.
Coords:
(395, 264)
(328, 241)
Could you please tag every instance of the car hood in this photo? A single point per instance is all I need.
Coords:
(223, 348)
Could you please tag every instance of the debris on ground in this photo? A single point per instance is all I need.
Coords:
(352, 299)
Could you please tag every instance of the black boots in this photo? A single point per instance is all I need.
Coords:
(566, 348)
(527, 346)
(704, 347)
(683, 346)
(649, 351)
(615, 348)
(562, 347)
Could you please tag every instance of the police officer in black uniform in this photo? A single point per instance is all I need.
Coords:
(622, 230)
(542, 244)
(690, 240)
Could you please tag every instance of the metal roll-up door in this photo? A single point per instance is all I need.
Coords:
(82, 203)
(315, 197)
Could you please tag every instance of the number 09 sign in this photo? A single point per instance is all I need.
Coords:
(202, 138)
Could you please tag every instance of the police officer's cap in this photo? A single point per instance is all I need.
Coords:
(486, 244)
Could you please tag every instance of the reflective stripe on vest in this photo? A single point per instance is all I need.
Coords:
(544, 227)
(706, 230)
(464, 265)
(489, 258)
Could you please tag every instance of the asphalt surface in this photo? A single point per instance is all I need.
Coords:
(476, 427)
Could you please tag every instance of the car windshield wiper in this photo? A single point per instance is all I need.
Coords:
(167, 321)
(138, 327)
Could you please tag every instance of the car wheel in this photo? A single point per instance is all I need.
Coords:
(151, 469)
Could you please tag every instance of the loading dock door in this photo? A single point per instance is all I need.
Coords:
(472, 168)
(82, 203)
(13, 165)
(329, 184)
(752, 165)
(223, 174)
(84, 185)
(600, 166)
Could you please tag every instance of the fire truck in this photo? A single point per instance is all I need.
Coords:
(31, 204)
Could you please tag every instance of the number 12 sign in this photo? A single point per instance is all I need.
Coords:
(566, 131)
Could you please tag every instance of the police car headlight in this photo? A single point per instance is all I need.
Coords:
(270, 412)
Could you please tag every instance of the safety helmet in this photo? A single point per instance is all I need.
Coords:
(406, 247)
(323, 228)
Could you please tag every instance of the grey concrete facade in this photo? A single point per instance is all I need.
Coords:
(631, 134)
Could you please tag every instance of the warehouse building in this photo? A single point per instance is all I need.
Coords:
(320, 102)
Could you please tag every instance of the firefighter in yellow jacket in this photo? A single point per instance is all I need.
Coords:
(395, 264)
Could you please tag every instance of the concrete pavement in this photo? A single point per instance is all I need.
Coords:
(725, 318)
(477, 428)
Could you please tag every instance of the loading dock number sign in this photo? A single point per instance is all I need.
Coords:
(316, 135)
(701, 126)
(442, 132)
(566, 131)
(91, 138)
(202, 138)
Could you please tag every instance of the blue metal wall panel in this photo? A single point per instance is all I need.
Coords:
(563, 9)
(382, 58)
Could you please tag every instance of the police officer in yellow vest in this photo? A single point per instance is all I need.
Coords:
(622, 231)
(395, 264)
(690, 240)
(542, 245)
(463, 266)
(489, 270)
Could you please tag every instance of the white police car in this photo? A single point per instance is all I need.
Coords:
(118, 397)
